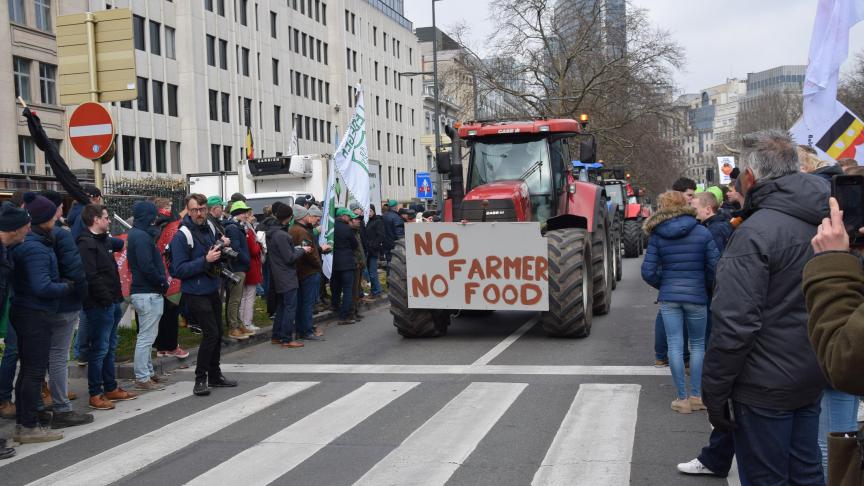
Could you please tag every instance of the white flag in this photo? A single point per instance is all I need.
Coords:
(328, 222)
(294, 148)
(352, 157)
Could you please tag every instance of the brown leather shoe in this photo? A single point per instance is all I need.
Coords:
(292, 344)
(7, 410)
(71, 396)
(120, 395)
(46, 397)
(246, 330)
(237, 334)
(99, 402)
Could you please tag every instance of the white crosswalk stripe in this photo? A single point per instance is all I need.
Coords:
(433, 452)
(125, 459)
(588, 440)
(595, 441)
(284, 450)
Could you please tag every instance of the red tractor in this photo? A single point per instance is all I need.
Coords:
(635, 214)
(521, 171)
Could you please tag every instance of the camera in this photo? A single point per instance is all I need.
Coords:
(226, 251)
(218, 269)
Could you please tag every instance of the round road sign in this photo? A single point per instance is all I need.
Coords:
(91, 130)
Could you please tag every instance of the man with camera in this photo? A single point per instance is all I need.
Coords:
(195, 260)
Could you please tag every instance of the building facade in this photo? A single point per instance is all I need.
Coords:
(210, 71)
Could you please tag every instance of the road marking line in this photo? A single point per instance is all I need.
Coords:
(503, 345)
(433, 452)
(445, 369)
(594, 444)
(125, 411)
(278, 454)
(127, 458)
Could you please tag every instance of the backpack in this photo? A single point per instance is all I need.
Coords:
(190, 241)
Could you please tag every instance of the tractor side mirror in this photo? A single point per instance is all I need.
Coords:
(588, 151)
(442, 162)
(619, 173)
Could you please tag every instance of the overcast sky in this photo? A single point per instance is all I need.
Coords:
(721, 39)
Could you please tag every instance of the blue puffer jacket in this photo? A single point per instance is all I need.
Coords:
(36, 280)
(190, 265)
(236, 232)
(721, 230)
(145, 261)
(71, 268)
(681, 256)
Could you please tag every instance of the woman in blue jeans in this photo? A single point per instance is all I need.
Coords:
(680, 262)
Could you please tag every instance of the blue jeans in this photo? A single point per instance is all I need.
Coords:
(102, 344)
(149, 308)
(8, 365)
(307, 297)
(286, 311)
(341, 286)
(839, 414)
(677, 316)
(58, 360)
(661, 349)
(778, 446)
(371, 274)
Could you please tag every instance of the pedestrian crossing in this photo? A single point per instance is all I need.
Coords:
(593, 443)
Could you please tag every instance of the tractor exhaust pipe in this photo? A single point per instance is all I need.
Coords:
(452, 164)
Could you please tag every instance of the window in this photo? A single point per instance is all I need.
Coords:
(347, 20)
(277, 118)
(317, 10)
(318, 50)
(155, 38)
(410, 56)
(247, 112)
(258, 64)
(305, 86)
(211, 50)
(26, 155)
(214, 108)
(314, 130)
(325, 53)
(352, 23)
(313, 89)
(348, 57)
(244, 4)
(386, 74)
(143, 102)
(320, 90)
(273, 25)
(138, 31)
(377, 105)
(354, 58)
(43, 14)
(214, 158)
(297, 83)
(144, 146)
(329, 131)
(260, 114)
(237, 58)
(223, 54)
(158, 105)
(384, 35)
(303, 37)
(306, 129)
(276, 72)
(175, 157)
(16, 13)
(296, 41)
(48, 83)
(327, 93)
(228, 158)
(128, 152)
(220, 6)
(321, 129)
(374, 36)
(170, 43)
(226, 110)
(245, 62)
(411, 86)
(376, 70)
(389, 176)
(379, 139)
(412, 117)
(208, 5)
(324, 13)
(172, 99)
(159, 152)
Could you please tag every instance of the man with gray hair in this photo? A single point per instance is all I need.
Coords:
(761, 378)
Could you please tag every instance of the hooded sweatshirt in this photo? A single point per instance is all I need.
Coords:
(759, 353)
(145, 260)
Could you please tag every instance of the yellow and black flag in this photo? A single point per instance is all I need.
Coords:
(840, 141)
(250, 146)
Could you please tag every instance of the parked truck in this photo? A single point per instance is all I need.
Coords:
(520, 171)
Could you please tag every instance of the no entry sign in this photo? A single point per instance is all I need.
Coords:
(91, 130)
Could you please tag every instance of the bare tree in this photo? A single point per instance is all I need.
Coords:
(775, 109)
(851, 89)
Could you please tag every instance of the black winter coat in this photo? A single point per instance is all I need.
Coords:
(344, 244)
(375, 236)
(283, 257)
(102, 276)
(759, 353)
(71, 268)
(37, 284)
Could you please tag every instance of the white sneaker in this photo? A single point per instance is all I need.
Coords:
(253, 327)
(694, 467)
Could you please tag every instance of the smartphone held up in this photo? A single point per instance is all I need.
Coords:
(849, 192)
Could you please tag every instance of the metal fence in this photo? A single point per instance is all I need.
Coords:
(120, 194)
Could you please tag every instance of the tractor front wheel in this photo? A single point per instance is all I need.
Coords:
(411, 323)
(570, 284)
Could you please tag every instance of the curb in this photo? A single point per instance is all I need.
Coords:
(166, 365)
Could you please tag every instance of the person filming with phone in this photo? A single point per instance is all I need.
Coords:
(834, 289)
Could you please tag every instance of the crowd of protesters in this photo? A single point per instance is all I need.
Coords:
(60, 288)
(737, 269)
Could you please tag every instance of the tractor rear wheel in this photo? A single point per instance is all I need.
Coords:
(411, 323)
(604, 274)
(632, 238)
(570, 281)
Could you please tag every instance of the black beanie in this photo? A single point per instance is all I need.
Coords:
(12, 217)
(283, 212)
(39, 207)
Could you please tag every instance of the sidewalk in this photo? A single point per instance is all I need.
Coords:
(168, 364)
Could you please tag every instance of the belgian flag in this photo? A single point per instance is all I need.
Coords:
(840, 140)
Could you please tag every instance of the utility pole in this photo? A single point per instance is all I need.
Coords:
(439, 198)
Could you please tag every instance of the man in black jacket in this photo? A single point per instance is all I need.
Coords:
(102, 308)
(148, 285)
(284, 256)
(342, 276)
(759, 361)
(375, 236)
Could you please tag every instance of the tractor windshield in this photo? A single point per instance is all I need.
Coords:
(508, 159)
(616, 194)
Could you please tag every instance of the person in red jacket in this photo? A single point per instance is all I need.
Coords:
(254, 277)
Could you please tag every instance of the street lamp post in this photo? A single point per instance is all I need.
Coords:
(439, 199)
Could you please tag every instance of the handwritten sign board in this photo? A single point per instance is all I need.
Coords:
(484, 266)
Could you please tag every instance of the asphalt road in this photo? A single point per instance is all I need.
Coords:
(493, 403)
